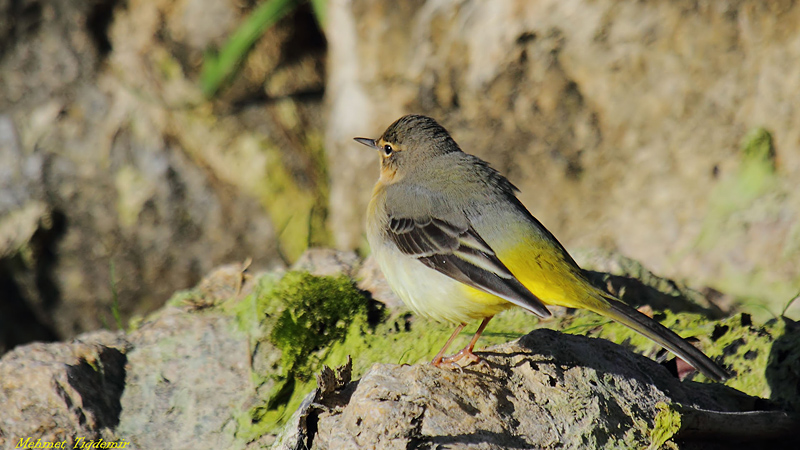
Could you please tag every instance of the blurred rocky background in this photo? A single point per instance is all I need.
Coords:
(120, 182)
(668, 132)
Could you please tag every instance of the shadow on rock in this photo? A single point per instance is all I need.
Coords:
(783, 367)
(100, 385)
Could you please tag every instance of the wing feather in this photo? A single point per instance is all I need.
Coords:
(461, 254)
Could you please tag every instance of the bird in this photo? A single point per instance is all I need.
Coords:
(456, 244)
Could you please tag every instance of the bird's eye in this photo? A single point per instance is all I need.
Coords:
(387, 149)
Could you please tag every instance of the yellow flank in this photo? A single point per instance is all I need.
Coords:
(541, 268)
(490, 304)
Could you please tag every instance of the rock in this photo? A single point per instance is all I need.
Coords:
(176, 381)
(328, 262)
(546, 390)
(626, 125)
(187, 375)
(61, 391)
(48, 49)
(190, 374)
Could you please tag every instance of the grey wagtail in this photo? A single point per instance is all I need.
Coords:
(456, 244)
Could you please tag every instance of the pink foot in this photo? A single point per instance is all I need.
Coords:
(457, 361)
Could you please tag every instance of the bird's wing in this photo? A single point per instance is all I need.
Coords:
(459, 252)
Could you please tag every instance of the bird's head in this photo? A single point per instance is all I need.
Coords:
(408, 144)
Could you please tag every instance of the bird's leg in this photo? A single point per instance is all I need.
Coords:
(466, 352)
(437, 360)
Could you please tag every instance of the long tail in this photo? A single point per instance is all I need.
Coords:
(630, 317)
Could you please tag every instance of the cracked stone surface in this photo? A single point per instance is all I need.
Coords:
(546, 390)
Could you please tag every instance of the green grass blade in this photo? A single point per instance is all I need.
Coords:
(115, 297)
(218, 68)
(320, 8)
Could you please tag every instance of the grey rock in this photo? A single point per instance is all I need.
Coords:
(328, 262)
(188, 374)
(47, 50)
(61, 391)
(546, 390)
(176, 382)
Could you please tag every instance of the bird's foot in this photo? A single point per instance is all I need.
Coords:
(461, 359)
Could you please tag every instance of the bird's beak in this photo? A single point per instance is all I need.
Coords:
(368, 142)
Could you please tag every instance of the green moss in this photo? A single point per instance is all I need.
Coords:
(309, 321)
(317, 313)
(757, 150)
(765, 359)
(667, 423)
(299, 318)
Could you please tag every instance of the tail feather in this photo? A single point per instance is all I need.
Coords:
(663, 336)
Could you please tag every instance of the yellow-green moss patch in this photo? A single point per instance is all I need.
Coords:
(292, 322)
(667, 423)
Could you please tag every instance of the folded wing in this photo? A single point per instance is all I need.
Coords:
(460, 253)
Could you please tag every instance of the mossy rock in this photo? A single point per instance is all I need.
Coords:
(298, 322)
